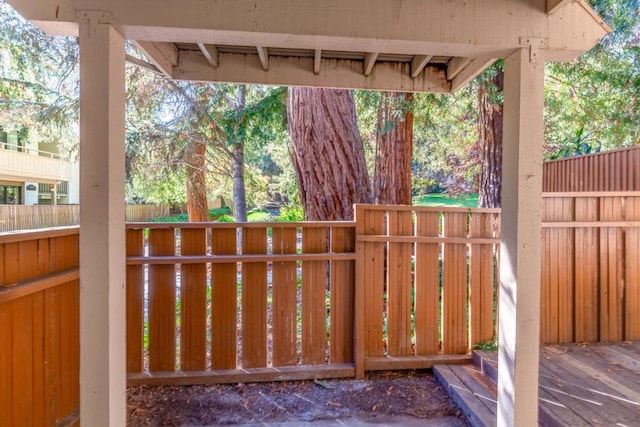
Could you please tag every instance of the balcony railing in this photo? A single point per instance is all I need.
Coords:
(22, 163)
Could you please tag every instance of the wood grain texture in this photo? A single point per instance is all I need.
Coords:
(162, 304)
(224, 301)
(314, 286)
(193, 296)
(254, 300)
(284, 299)
(135, 302)
(342, 297)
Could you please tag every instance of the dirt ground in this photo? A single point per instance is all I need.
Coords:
(383, 398)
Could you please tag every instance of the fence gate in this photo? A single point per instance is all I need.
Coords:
(425, 285)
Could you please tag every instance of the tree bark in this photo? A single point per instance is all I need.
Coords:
(490, 142)
(327, 153)
(197, 208)
(237, 160)
(394, 149)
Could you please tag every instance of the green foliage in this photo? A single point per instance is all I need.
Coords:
(581, 143)
(291, 213)
(488, 346)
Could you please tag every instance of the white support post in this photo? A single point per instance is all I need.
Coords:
(102, 239)
(520, 258)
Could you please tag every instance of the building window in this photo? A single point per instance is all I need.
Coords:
(10, 195)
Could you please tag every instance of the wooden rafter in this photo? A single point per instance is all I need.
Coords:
(471, 71)
(418, 63)
(369, 62)
(210, 52)
(263, 53)
(162, 55)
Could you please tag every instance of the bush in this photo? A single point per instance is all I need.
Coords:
(291, 213)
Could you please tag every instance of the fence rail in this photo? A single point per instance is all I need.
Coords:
(21, 217)
(39, 328)
(617, 170)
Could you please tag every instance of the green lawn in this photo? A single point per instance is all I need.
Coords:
(442, 200)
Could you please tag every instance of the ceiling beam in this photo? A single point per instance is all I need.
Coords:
(210, 52)
(471, 71)
(143, 64)
(162, 55)
(418, 63)
(297, 71)
(263, 53)
(466, 30)
(456, 65)
(369, 62)
(317, 59)
(554, 5)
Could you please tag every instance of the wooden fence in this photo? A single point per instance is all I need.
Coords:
(590, 267)
(617, 170)
(255, 302)
(39, 328)
(401, 287)
(21, 217)
(426, 283)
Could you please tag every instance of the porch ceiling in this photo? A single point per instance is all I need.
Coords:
(410, 45)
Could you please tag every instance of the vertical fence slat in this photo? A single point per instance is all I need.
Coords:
(11, 266)
(224, 297)
(342, 297)
(373, 283)
(586, 271)
(254, 300)
(52, 352)
(135, 303)
(427, 299)
(284, 284)
(193, 294)
(611, 274)
(454, 286)
(314, 284)
(399, 285)
(22, 363)
(481, 280)
(162, 303)
(6, 379)
(69, 349)
(565, 273)
(38, 366)
(632, 271)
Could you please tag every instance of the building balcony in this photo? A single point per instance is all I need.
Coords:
(20, 164)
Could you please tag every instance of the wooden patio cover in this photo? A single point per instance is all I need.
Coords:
(399, 45)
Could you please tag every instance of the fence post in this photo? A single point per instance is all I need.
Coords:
(359, 332)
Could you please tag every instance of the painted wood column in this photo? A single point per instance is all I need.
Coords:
(519, 320)
(102, 243)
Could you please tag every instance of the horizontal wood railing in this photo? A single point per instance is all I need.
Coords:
(39, 328)
(259, 301)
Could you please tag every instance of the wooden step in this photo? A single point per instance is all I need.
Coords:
(487, 363)
(471, 391)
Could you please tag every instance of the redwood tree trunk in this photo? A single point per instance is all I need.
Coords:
(327, 153)
(394, 148)
(196, 186)
(490, 142)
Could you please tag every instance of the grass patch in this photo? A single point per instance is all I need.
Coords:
(442, 200)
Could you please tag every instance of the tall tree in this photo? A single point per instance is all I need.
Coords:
(327, 153)
(489, 92)
(394, 148)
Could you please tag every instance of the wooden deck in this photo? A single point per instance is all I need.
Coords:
(580, 385)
